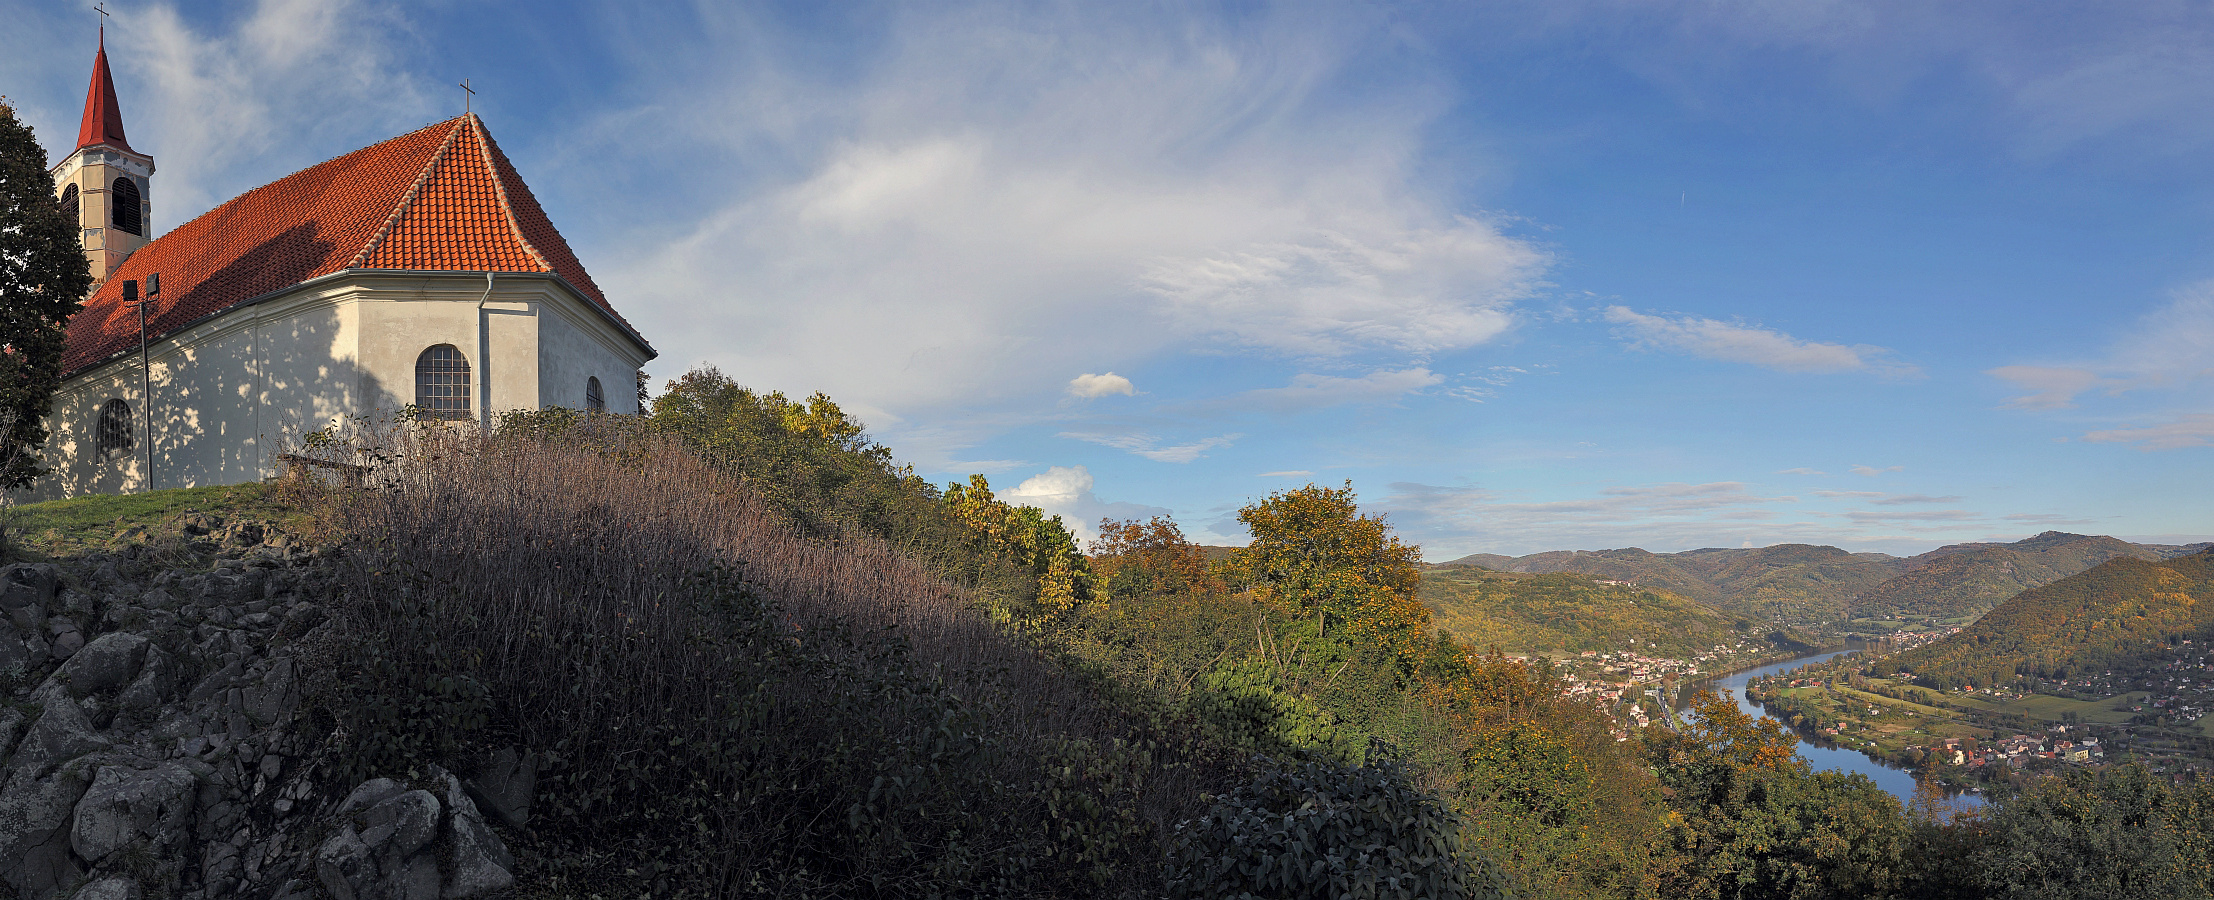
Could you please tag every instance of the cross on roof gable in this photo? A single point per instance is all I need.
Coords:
(441, 198)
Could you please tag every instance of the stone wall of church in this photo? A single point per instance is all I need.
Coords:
(231, 392)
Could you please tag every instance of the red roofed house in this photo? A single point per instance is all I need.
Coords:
(417, 271)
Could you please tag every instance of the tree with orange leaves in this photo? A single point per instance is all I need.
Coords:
(1135, 559)
(1315, 555)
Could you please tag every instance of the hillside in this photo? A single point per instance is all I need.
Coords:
(2107, 617)
(1565, 612)
(1792, 584)
(1809, 586)
(1967, 579)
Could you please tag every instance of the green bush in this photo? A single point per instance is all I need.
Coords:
(1327, 831)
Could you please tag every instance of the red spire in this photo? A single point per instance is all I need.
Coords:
(103, 118)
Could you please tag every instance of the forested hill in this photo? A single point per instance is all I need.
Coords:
(1810, 586)
(1527, 613)
(1966, 579)
(1789, 584)
(2109, 617)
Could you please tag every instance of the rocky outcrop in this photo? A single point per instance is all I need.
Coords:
(152, 744)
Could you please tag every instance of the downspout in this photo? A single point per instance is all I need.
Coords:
(484, 359)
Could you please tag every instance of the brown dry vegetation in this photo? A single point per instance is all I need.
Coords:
(700, 669)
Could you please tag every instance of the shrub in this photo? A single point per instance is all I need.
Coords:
(1328, 831)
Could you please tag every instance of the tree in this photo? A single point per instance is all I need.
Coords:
(43, 280)
(1314, 554)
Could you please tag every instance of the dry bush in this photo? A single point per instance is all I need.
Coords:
(732, 707)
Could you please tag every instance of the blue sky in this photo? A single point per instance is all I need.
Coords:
(1532, 276)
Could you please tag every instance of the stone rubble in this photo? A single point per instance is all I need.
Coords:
(151, 742)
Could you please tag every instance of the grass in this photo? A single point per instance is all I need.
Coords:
(63, 528)
(2046, 708)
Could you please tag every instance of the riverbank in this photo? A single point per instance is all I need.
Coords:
(1823, 755)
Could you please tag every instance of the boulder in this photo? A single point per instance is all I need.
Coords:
(503, 788)
(25, 589)
(125, 804)
(479, 861)
(155, 682)
(34, 832)
(388, 855)
(108, 663)
(61, 733)
(113, 887)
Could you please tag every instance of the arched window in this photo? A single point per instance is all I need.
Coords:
(442, 382)
(593, 399)
(125, 211)
(69, 206)
(112, 437)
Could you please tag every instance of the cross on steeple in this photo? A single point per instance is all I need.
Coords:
(468, 102)
(102, 9)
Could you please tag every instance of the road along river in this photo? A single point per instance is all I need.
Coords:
(1891, 778)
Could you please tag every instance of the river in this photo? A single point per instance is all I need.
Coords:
(1891, 778)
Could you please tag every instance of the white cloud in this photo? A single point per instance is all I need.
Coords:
(2195, 430)
(1417, 291)
(1850, 495)
(1802, 470)
(1734, 342)
(1089, 386)
(1066, 491)
(1148, 446)
(1287, 473)
(980, 198)
(1873, 471)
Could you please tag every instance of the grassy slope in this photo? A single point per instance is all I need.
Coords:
(1567, 612)
(60, 528)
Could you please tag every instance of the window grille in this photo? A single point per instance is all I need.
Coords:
(113, 438)
(70, 207)
(593, 399)
(442, 382)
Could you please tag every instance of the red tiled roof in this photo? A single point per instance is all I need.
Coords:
(442, 198)
(103, 122)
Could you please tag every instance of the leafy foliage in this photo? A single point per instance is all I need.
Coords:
(44, 277)
(1324, 831)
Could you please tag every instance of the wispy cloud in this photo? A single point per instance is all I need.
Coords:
(2196, 430)
(1873, 471)
(1149, 446)
(1737, 342)
(1802, 470)
(2171, 347)
(1310, 391)
(1287, 473)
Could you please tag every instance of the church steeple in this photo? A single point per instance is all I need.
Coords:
(103, 122)
(105, 181)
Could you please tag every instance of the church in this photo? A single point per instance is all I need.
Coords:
(418, 271)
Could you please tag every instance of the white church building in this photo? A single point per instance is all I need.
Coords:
(420, 271)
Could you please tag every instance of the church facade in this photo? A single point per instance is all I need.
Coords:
(418, 271)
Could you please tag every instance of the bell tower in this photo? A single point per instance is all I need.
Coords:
(105, 182)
